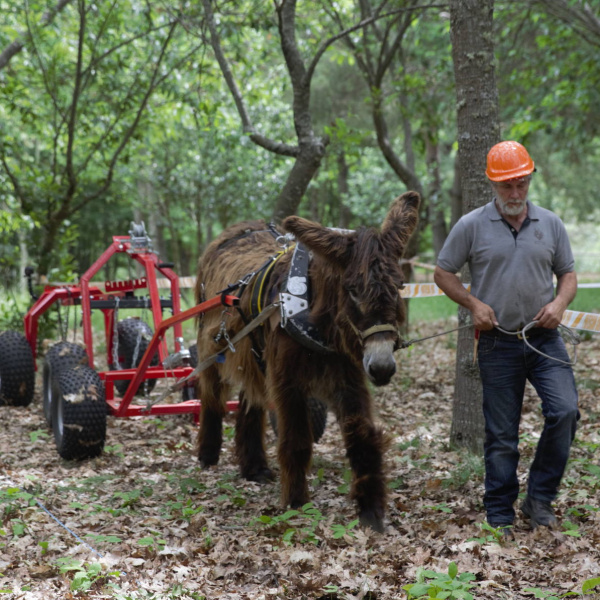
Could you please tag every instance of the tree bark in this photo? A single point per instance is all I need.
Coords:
(471, 30)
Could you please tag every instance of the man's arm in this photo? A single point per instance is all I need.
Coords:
(550, 315)
(482, 314)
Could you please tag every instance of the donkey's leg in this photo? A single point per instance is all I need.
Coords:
(213, 394)
(249, 442)
(295, 438)
(364, 448)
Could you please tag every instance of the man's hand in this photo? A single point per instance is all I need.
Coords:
(550, 315)
(483, 316)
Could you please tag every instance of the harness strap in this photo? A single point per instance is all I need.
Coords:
(295, 304)
(260, 282)
(218, 356)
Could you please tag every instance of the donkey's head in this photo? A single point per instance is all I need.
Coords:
(361, 282)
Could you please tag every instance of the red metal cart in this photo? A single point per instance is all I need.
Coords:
(77, 397)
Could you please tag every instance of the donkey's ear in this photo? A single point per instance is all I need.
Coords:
(331, 245)
(400, 222)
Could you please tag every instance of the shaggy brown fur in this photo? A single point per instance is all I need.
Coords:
(354, 278)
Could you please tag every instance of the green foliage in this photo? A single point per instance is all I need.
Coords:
(589, 587)
(232, 494)
(469, 468)
(154, 543)
(494, 534)
(13, 499)
(84, 575)
(340, 531)
(182, 508)
(38, 434)
(173, 593)
(440, 586)
(301, 526)
(570, 528)
(11, 314)
(83, 156)
(345, 487)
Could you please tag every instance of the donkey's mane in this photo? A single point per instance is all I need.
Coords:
(369, 270)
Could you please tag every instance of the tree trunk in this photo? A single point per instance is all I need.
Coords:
(456, 196)
(342, 180)
(471, 30)
(23, 261)
(434, 193)
(303, 171)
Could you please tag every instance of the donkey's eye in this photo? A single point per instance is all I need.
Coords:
(353, 294)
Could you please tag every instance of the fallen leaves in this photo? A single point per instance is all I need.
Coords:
(173, 530)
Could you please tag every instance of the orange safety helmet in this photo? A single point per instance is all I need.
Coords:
(508, 160)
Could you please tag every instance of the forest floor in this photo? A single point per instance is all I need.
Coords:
(151, 524)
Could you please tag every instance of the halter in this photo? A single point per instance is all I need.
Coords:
(363, 335)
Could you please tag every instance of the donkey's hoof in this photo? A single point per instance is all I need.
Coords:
(262, 475)
(298, 503)
(369, 518)
(208, 460)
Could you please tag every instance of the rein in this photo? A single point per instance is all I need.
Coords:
(218, 356)
(569, 334)
(409, 343)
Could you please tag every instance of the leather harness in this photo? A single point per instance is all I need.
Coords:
(294, 300)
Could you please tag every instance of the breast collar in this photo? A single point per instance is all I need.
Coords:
(295, 303)
(294, 299)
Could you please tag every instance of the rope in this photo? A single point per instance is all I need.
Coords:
(407, 344)
(67, 529)
(81, 541)
(572, 337)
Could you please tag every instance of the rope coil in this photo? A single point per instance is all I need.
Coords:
(572, 337)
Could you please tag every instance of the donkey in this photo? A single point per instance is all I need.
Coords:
(354, 306)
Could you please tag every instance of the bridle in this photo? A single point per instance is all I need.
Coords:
(363, 335)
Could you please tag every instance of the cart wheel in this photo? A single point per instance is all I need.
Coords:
(62, 355)
(318, 417)
(189, 391)
(78, 412)
(134, 337)
(17, 370)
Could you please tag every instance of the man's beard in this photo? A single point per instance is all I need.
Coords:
(511, 211)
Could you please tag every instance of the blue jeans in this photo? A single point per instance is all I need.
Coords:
(505, 364)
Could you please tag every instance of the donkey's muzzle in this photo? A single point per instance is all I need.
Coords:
(379, 362)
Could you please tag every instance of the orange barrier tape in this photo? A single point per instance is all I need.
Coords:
(573, 319)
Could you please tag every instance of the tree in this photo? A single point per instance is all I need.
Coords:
(471, 25)
(14, 47)
(310, 147)
(74, 103)
(578, 15)
(392, 70)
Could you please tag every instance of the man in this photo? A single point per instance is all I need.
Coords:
(513, 248)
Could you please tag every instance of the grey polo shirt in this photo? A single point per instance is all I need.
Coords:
(512, 274)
